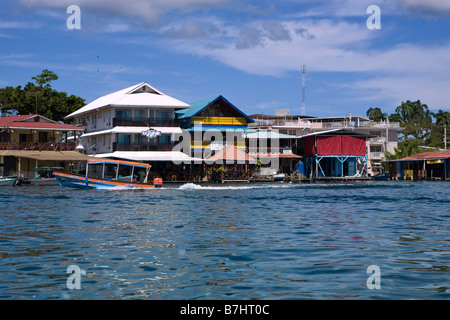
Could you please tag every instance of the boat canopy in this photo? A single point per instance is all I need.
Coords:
(127, 163)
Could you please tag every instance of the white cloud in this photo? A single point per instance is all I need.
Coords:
(403, 71)
(428, 7)
(147, 12)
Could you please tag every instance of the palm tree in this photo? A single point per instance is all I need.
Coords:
(376, 114)
(442, 118)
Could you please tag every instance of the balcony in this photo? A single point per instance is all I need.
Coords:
(145, 122)
(141, 147)
(377, 140)
(38, 146)
(376, 155)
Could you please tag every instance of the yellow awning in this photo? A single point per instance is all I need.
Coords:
(45, 155)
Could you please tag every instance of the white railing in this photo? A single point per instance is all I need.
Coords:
(376, 155)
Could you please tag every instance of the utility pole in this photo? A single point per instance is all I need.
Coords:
(303, 89)
(445, 137)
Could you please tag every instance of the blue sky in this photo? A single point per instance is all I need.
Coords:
(251, 52)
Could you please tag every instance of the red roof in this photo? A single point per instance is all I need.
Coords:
(429, 155)
(19, 122)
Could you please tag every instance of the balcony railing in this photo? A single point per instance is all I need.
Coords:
(376, 155)
(145, 122)
(141, 147)
(38, 146)
(269, 150)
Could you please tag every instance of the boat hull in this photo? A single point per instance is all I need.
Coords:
(8, 181)
(382, 177)
(78, 181)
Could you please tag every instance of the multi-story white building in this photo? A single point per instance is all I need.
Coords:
(115, 122)
(384, 136)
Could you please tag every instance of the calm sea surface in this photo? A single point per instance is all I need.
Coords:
(261, 241)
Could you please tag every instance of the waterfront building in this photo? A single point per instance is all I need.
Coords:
(430, 165)
(29, 142)
(213, 124)
(115, 124)
(335, 153)
(382, 137)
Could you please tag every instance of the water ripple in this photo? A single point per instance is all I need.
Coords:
(261, 241)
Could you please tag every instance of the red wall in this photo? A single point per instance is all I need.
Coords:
(335, 145)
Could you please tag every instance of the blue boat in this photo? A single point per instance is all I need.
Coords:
(106, 173)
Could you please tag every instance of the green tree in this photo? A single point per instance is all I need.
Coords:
(44, 79)
(419, 130)
(405, 149)
(442, 118)
(437, 136)
(376, 114)
(39, 98)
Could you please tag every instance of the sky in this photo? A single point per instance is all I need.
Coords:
(251, 52)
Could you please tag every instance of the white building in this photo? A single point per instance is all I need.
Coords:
(114, 124)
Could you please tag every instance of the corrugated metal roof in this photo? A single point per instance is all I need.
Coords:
(198, 106)
(337, 132)
(131, 97)
(46, 155)
(175, 156)
(231, 153)
(18, 122)
(428, 155)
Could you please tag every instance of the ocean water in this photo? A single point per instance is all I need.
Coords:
(255, 241)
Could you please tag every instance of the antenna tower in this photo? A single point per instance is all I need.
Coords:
(303, 89)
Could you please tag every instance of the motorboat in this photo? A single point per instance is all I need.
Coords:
(8, 181)
(108, 173)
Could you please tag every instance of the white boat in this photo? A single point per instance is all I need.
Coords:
(8, 181)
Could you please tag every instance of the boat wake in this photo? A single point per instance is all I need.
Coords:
(193, 186)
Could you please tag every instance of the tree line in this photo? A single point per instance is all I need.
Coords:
(422, 128)
(39, 98)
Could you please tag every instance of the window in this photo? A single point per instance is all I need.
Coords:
(139, 114)
(124, 139)
(375, 148)
(137, 139)
(293, 132)
(163, 115)
(123, 114)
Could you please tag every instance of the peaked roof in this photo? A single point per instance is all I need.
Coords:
(231, 153)
(199, 106)
(23, 122)
(141, 94)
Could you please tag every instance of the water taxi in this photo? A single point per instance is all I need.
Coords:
(107, 173)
